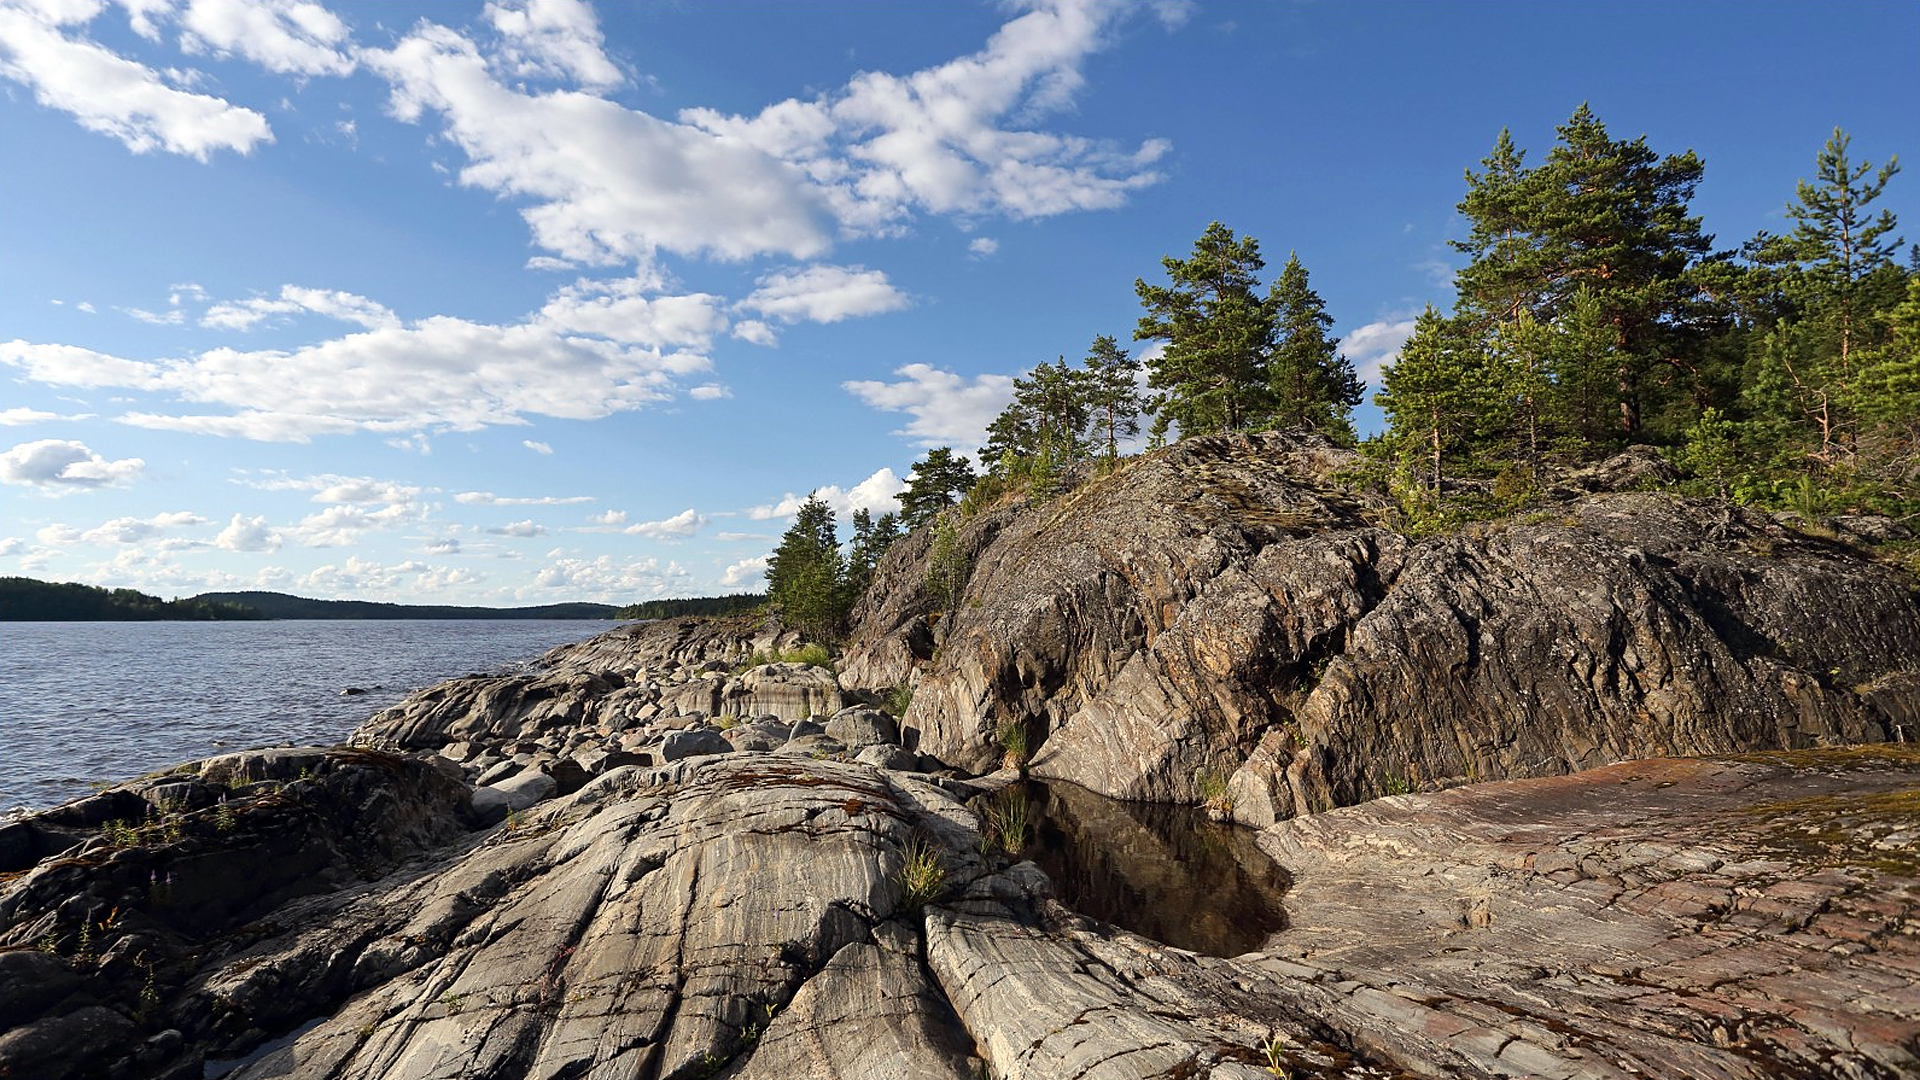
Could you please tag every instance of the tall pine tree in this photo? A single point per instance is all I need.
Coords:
(1212, 374)
(1313, 387)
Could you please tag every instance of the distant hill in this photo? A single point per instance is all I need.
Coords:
(693, 605)
(273, 605)
(30, 600)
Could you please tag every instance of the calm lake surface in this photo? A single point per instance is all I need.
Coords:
(105, 701)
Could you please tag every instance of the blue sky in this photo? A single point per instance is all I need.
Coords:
(530, 300)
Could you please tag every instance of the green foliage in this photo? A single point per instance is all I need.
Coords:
(810, 653)
(693, 605)
(26, 599)
(922, 877)
(947, 565)
(1012, 736)
(937, 482)
(898, 701)
(1212, 375)
(1313, 387)
(806, 575)
(1008, 820)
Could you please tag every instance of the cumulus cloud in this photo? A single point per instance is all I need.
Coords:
(448, 546)
(947, 410)
(876, 494)
(335, 488)
(579, 358)
(536, 446)
(295, 300)
(553, 39)
(678, 527)
(755, 332)
(1373, 346)
(289, 37)
(940, 140)
(409, 580)
(343, 524)
(746, 572)
(248, 534)
(110, 94)
(983, 246)
(610, 518)
(823, 294)
(17, 416)
(709, 392)
(606, 184)
(523, 529)
(607, 578)
(488, 498)
(63, 463)
(121, 531)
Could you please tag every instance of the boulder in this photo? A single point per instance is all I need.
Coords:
(695, 742)
(788, 691)
(858, 727)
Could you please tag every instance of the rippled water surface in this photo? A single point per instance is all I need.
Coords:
(105, 701)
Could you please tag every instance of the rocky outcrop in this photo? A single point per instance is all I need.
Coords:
(1222, 613)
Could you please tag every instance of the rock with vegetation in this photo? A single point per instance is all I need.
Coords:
(1229, 608)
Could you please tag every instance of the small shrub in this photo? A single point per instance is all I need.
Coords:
(1214, 793)
(1395, 785)
(1273, 1048)
(1012, 737)
(1007, 821)
(922, 878)
(897, 701)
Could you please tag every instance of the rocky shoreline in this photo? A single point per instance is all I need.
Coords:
(669, 853)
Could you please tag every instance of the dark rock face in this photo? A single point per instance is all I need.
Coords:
(1218, 613)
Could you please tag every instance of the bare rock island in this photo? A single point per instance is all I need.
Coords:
(1622, 787)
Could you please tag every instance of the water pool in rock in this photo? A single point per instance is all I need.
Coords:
(1165, 872)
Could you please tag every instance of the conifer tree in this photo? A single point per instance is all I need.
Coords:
(1212, 374)
(1113, 393)
(1313, 386)
(937, 482)
(1438, 398)
(806, 575)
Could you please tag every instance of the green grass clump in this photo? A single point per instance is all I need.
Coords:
(922, 878)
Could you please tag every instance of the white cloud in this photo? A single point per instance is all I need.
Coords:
(746, 572)
(112, 95)
(606, 184)
(157, 318)
(289, 37)
(121, 531)
(537, 446)
(678, 527)
(937, 140)
(823, 294)
(983, 246)
(62, 463)
(248, 534)
(520, 529)
(606, 579)
(86, 307)
(755, 332)
(610, 518)
(576, 359)
(294, 300)
(709, 392)
(875, 494)
(488, 498)
(343, 524)
(367, 579)
(1373, 346)
(335, 488)
(447, 546)
(17, 416)
(553, 39)
(947, 410)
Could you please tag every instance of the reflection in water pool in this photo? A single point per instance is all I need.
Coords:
(1165, 872)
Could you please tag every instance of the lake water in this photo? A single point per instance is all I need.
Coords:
(83, 702)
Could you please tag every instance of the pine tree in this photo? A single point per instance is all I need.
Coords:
(1600, 213)
(1439, 398)
(1212, 374)
(1113, 393)
(937, 482)
(1313, 386)
(806, 575)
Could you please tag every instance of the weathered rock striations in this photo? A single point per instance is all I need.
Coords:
(656, 857)
(1221, 610)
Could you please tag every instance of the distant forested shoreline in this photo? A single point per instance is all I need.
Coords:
(30, 600)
